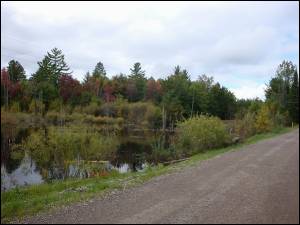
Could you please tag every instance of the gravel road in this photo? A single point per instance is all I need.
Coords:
(256, 184)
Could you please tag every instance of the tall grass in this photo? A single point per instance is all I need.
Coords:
(52, 147)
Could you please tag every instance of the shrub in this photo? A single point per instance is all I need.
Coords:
(15, 107)
(160, 153)
(199, 134)
(51, 148)
(75, 117)
(263, 120)
(280, 119)
(36, 106)
(53, 117)
(123, 108)
(91, 109)
(108, 109)
(78, 109)
(144, 114)
(153, 116)
(137, 112)
(55, 105)
(246, 126)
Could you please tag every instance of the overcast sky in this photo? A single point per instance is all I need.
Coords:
(240, 44)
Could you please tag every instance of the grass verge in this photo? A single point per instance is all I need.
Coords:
(28, 201)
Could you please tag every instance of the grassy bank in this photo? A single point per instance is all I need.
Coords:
(27, 201)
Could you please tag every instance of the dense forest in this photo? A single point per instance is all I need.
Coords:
(52, 88)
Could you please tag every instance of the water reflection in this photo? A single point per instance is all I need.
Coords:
(133, 155)
(25, 174)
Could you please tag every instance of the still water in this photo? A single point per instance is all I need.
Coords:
(133, 155)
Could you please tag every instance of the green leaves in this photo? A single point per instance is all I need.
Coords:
(283, 89)
(200, 133)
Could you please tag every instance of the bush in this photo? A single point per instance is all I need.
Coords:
(160, 153)
(246, 126)
(153, 116)
(199, 134)
(55, 105)
(137, 112)
(263, 120)
(144, 114)
(15, 107)
(75, 117)
(36, 106)
(51, 148)
(108, 109)
(54, 117)
(123, 108)
(281, 119)
(91, 109)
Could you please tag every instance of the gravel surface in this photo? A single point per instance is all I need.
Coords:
(257, 184)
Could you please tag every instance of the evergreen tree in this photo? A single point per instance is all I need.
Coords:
(16, 71)
(177, 70)
(99, 71)
(294, 99)
(136, 71)
(99, 78)
(45, 83)
(279, 86)
(59, 66)
(282, 89)
(87, 78)
(44, 72)
(139, 80)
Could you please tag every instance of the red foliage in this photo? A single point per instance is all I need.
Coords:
(69, 87)
(153, 89)
(13, 88)
(93, 86)
(108, 93)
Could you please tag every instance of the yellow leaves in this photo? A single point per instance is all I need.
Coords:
(263, 120)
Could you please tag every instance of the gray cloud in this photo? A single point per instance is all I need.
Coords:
(237, 43)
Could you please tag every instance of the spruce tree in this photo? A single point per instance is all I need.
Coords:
(16, 71)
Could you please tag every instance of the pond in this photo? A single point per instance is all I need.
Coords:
(134, 154)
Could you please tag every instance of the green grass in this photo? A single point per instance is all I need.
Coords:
(27, 201)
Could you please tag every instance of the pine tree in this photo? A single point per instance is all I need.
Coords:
(59, 66)
(136, 71)
(16, 71)
(45, 83)
(99, 71)
(87, 77)
(139, 80)
(44, 72)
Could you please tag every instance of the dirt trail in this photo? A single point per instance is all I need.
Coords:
(257, 184)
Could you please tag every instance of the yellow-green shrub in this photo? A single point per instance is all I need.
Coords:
(59, 144)
(263, 122)
(245, 127)
(199, 134)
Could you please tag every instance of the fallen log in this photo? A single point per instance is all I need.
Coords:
(174, 161)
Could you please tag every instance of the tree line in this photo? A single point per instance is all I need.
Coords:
(177, 95)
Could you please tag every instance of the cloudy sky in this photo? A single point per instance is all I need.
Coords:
(240, 44)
